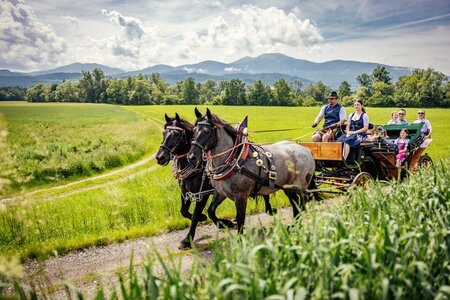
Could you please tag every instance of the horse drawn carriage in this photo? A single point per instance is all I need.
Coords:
(375, 158)
(213, 157)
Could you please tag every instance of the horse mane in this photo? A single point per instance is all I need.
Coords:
(221, 123)
(186, 125)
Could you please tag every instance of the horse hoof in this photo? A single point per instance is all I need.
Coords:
(203, 218)
(225, 224)
(184, 245)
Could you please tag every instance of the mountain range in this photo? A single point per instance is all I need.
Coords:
(268, 67)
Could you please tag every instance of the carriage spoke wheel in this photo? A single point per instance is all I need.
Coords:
(362, 179)
(425, 161)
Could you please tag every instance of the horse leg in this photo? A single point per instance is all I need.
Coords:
(295, 203)
(185, 205)
(313, 186)
(241, 207)
(216, 201)
(303, 199)
(269, 210)
(197, 216)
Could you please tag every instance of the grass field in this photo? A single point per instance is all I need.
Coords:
(52, 142)
(147, 203)
(262, 118)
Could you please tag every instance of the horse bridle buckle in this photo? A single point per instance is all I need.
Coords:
(272, 175)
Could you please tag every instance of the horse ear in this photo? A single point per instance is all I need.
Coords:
(198, 114)
(208, 114)
(167, 118)
(177, 117)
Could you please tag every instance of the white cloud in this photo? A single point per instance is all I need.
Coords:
(72, 20)
(250, 30)
(194, 70)
(232, 69)
(132, 27)
(25, 42)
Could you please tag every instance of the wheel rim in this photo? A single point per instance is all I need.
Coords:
(362, 179)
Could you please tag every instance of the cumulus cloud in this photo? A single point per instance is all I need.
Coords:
(25, 42)
(132, 27)
(135, 46)
(72, 20)
(252, 30)
(194, 70)
(232, 69)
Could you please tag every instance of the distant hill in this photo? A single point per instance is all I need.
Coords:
(27, 81)
(269, 78)
(78, 68)
(8, 73)
(268, 67)
(147, 71)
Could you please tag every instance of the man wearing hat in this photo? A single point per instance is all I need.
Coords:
(334, 115)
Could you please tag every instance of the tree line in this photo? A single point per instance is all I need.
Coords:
(422, 88)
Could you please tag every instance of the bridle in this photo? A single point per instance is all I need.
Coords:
(212, 140)
(177, 143)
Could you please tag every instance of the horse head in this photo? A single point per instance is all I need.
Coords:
(176, 137)
(204, 137)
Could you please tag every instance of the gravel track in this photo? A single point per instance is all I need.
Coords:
(91, 267)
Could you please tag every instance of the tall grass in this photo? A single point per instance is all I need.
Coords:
(376, 245)
(141, 206)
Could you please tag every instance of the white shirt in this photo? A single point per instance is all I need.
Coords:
(365, 119)
(426, 128)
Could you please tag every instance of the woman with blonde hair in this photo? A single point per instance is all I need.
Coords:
(394, 118)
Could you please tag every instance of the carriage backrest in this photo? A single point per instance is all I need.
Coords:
(393, 131)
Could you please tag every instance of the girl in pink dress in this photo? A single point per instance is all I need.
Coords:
(402, 144)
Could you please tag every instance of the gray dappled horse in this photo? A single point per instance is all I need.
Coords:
(253, 170)
(177, 136)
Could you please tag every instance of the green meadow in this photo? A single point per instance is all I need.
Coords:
(141, 205)
(50, 143)
(300, 119)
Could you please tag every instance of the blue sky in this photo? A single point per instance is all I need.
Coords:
(41, 34)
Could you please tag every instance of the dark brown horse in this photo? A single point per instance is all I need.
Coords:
(259, 170)
(194, 184)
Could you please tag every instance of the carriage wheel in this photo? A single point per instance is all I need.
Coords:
(362, 179)
(425, 161)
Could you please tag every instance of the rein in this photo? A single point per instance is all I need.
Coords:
(209, 157)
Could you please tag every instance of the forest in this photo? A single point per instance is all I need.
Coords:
(422, 88)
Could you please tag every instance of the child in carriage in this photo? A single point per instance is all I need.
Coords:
(402, 144)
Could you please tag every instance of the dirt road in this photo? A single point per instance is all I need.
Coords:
(111, 173)
(91, 267)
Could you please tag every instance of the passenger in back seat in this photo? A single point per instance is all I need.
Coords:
(402, 144)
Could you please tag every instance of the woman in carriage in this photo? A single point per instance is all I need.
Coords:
(357, 126)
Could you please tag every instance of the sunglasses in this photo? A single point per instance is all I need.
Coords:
(420, 113)
(402, 114)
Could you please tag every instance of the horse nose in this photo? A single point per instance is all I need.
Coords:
(161, 159)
